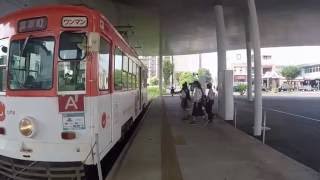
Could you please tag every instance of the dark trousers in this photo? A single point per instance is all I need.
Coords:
(209, 105)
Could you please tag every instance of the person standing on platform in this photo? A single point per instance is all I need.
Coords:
(198, 98)
(210, 102)
(185, 100)
(172, 91)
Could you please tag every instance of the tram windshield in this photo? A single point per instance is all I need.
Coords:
(31, 63)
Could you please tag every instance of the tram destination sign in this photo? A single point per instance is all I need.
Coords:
(33, 24)
(74, 21)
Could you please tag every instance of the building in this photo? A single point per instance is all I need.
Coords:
(239, 67)
(152, 63)
(310, 75)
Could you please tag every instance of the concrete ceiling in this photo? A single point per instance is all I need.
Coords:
(188, 26)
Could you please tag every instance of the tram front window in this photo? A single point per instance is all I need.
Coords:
(71, 68)
(31, 63)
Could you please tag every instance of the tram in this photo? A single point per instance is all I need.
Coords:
(68, 82)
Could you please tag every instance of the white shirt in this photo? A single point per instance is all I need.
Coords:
(211, 94)
(197, 94)
(183, 94)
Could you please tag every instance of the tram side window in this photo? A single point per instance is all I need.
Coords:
(138, 76)
(130, 74)
(145, 77)
(104, 55)
(134, 77)
(125, 68)
(118, 70)
(4, 44)
(72, 52)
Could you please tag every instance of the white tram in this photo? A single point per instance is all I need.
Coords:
(66, 76)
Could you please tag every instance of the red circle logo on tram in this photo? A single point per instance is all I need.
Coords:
(104, 120)
(2, 111)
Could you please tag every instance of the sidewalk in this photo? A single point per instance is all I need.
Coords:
(169, 149)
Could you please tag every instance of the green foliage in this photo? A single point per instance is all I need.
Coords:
(177, 75)
(167, 71)
(241, 88)
(290, 72)
(154, 81)
(153, 92)
(205, 73)
(185, 77)
(117, 79)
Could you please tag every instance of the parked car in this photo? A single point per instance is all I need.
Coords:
(307, 88)
(284, 87)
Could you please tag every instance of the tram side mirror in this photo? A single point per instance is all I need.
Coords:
(94, 42)
(4, 49)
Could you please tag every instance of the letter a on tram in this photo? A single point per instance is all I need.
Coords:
(71, 103)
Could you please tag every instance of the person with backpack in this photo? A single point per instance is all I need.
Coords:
(198, 102)
(210, 102)
(185, 100)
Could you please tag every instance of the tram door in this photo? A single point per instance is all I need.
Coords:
(105, 99)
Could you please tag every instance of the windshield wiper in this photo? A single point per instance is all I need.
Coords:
(24, 45)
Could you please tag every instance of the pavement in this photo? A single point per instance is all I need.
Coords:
(294, 123)
(294, 94)
(168, 148)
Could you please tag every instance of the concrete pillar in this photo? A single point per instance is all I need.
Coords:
(172, 76)
(249, 64)
(221, 48)
(254, 29)
(200, 61)
(160, 68)
(160, 56)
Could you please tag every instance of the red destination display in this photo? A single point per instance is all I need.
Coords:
(34, 24)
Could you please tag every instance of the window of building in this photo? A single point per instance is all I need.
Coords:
(118, 70)
(266, 57)
(104, 56)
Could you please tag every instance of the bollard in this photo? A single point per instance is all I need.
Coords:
(235, 115)
(264, 126)
(98, 157)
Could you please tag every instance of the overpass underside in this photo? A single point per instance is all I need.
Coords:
(188, 26)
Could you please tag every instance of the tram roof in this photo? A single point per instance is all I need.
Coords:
(188, 26)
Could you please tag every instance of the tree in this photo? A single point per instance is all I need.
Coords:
(167, 71)
(185, 77)
(177, 76)
(290, 72)
(205, 74)
(154, 81)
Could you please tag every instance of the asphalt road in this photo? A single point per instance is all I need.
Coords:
(297, 137)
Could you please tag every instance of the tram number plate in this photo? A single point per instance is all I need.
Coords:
(74, 22)
(73, 121)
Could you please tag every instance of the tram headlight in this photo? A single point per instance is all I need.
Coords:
(27, 127)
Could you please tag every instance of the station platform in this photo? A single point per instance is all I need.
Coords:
(167, 148)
